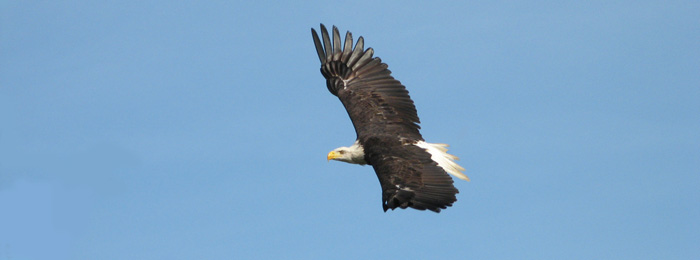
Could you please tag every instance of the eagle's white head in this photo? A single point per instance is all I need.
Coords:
(354, 154)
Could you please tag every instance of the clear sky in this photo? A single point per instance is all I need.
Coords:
(193, 130)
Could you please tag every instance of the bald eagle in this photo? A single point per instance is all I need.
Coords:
(411, 172)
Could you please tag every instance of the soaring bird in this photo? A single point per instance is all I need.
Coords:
(412, 173)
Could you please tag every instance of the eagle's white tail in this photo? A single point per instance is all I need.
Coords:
(438, 152)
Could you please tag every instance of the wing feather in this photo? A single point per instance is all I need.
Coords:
(326, 41)
(356, 53)
(364, 59)
(319, 47)
(336, 44)
(347, 49)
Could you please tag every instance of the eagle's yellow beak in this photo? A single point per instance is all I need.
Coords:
(332, 155)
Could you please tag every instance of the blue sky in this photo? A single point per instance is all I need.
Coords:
(191, 130)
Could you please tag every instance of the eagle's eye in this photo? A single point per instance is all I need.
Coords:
(341, 152)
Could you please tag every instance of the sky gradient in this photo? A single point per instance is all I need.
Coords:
(191, 130)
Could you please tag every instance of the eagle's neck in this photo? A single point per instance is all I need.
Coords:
(356, 154)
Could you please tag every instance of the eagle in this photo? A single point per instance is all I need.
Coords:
(412, 173)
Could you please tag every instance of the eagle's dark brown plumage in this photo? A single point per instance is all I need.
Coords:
(386, 123)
